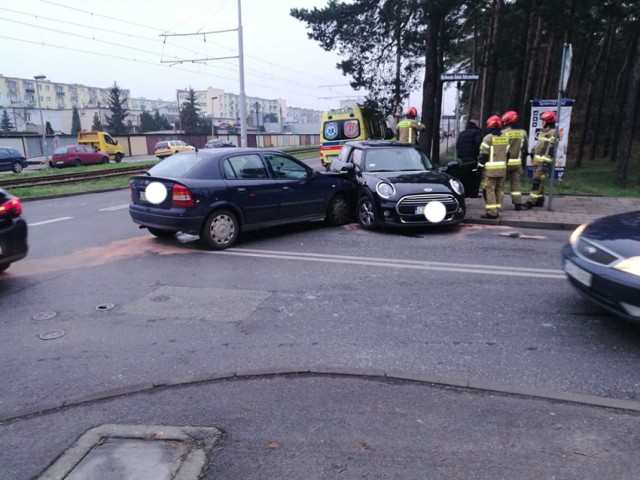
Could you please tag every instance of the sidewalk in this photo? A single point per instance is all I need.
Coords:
(567, 213)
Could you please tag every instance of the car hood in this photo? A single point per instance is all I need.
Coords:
(618, 233)
(411, 181)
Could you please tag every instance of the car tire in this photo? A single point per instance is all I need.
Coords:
(338, 211)
(4, 267)
(156, 232)
(105, 160)
(367, 213)
(220, 230)
(118, 157)
(16, 167)
(77, 163)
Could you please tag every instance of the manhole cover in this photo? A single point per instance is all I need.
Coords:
(105, 306)
(51, 335)
(44, 315)
(160, 298)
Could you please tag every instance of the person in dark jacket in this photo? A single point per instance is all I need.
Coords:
(468, 143)
(467, 151)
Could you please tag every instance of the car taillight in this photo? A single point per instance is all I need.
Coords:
(181, 196)
(11, 207)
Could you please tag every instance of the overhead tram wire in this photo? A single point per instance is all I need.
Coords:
(251, 72)
(155, 64)
(160, 30)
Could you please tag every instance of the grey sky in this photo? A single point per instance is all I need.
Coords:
(96, 43)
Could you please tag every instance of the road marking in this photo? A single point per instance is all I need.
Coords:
(113, 209)
(398, 263)
(45, 222)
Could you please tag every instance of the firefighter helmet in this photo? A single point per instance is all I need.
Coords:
(509, 118)
(548, 116)
(412, 112)
(494, 121)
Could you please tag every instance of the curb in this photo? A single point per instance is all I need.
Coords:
(471, 386)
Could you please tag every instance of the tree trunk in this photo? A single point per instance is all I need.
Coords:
(431, 78)
(628, 116)
(532, 58)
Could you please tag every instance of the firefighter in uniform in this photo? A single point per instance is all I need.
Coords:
(518, 144)
(409, 127)
(493, 161)
(542, 159)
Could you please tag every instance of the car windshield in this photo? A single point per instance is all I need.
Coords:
(396, 160)
(176, 166)
(60, 150)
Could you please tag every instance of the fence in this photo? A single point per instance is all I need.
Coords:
(31, 146)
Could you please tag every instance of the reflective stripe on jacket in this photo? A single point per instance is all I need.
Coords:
(517, 144)
(543, 150)
(408, 131)
(495, 146)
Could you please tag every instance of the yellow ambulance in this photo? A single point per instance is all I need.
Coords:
(345, 124)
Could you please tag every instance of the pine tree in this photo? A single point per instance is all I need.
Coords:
(97, 123)
(161, 121)
(5, 122)
(146, 122)
(190, 114)
(115, 122)
(75, 121)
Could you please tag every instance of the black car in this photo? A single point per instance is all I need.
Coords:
(218, 143)
(217, 193)
(12, 159)
(398, 186)
(13, 230)
(602, 261)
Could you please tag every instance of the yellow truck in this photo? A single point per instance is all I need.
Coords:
(102, 141)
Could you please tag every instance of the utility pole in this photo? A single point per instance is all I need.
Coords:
(240, 57)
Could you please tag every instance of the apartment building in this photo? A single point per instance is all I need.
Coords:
(19, 97)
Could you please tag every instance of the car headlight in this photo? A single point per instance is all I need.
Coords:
(385, 190)
(456, 186)
(629, 265)
(573, 239)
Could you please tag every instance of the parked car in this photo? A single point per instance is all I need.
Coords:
(398, 186)
(602, 261)
(169, 147)
(12, 159)
(77, 155)
(13, 230)
(218, 193)
(218, 143)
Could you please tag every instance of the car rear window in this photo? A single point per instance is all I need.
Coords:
(59, 151)
(161, 145)
(188, 164)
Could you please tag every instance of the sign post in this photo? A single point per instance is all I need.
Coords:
(567, 55)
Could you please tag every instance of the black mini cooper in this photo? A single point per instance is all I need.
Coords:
(398, 186)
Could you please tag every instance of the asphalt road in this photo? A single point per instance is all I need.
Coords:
(464, 303)
(469, 304)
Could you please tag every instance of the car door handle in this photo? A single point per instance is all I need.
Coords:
(285, 188)
(241, 189)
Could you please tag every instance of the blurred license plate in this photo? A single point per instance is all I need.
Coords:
(143, 197)
(577, 273)
(420, 210)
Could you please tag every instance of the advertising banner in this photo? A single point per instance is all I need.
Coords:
(539, 106)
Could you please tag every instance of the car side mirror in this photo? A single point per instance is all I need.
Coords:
(348, 167)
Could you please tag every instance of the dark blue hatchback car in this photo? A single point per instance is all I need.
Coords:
(602, 261)
(217, 193)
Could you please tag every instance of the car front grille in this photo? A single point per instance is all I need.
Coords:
(406, 206)
(595, 253)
